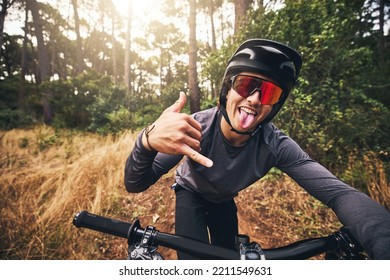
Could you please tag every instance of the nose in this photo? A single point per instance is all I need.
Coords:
(254, 98)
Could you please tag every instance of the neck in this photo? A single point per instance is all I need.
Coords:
(234, 138)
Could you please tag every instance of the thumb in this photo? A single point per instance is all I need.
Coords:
(179, 104)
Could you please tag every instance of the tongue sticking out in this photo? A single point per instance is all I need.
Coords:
(246, 119)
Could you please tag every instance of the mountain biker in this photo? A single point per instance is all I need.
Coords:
(230, 146)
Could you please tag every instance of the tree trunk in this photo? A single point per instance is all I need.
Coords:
(114, 64)
(128, 48)
(241, 8)
(22, 90)
(43, 60)
(222, 21)
(213, 37)
(211, 9)
(381, 42)
(3, 13)
(79, 54)
(192, 70)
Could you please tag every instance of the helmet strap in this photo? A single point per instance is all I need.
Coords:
(225, 115)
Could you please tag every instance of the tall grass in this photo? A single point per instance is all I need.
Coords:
(47, 176)
(42, 187)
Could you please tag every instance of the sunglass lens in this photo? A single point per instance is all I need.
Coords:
(270, 93)
(246, 85)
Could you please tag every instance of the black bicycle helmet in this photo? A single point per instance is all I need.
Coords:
(280, 63)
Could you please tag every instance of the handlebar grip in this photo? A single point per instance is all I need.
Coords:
(303, 249)
(95, 222)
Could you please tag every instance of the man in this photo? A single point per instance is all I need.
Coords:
(229, 147)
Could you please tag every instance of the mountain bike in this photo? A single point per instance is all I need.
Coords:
(143, 243)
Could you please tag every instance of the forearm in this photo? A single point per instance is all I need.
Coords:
(139, 173)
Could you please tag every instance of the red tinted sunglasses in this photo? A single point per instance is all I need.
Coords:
(247, 85)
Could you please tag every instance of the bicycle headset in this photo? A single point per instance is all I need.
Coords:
(280, 63)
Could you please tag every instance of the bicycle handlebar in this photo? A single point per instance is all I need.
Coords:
(133, 232)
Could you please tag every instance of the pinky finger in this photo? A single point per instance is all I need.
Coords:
(199, 158)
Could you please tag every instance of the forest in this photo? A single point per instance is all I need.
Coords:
(104, 69)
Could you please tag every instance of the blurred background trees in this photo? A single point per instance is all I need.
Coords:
(91, 65)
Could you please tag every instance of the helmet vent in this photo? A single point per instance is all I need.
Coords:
(246, 53)
(288, 66)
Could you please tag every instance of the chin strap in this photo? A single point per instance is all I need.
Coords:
(250, 133)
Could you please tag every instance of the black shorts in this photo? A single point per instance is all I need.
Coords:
(214, 223)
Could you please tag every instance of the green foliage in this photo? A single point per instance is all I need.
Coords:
(215, 64)
(12, 114)
(11, 56)
(117, 121)
(330, 113)
(46, 142)
(207, 104)
(273, 175)
(10, 119)
(70, 100)
(147, 114)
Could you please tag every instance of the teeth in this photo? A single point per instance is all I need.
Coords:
(249, 111)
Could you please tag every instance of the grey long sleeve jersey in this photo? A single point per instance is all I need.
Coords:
(236, 168)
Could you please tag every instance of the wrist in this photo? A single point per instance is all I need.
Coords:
(145, 137)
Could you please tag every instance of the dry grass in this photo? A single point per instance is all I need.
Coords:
(277, 212)
(378, 185)
(42, 187)
(47, 177)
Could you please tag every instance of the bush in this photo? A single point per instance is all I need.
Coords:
(13, 114)
(117, 121)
